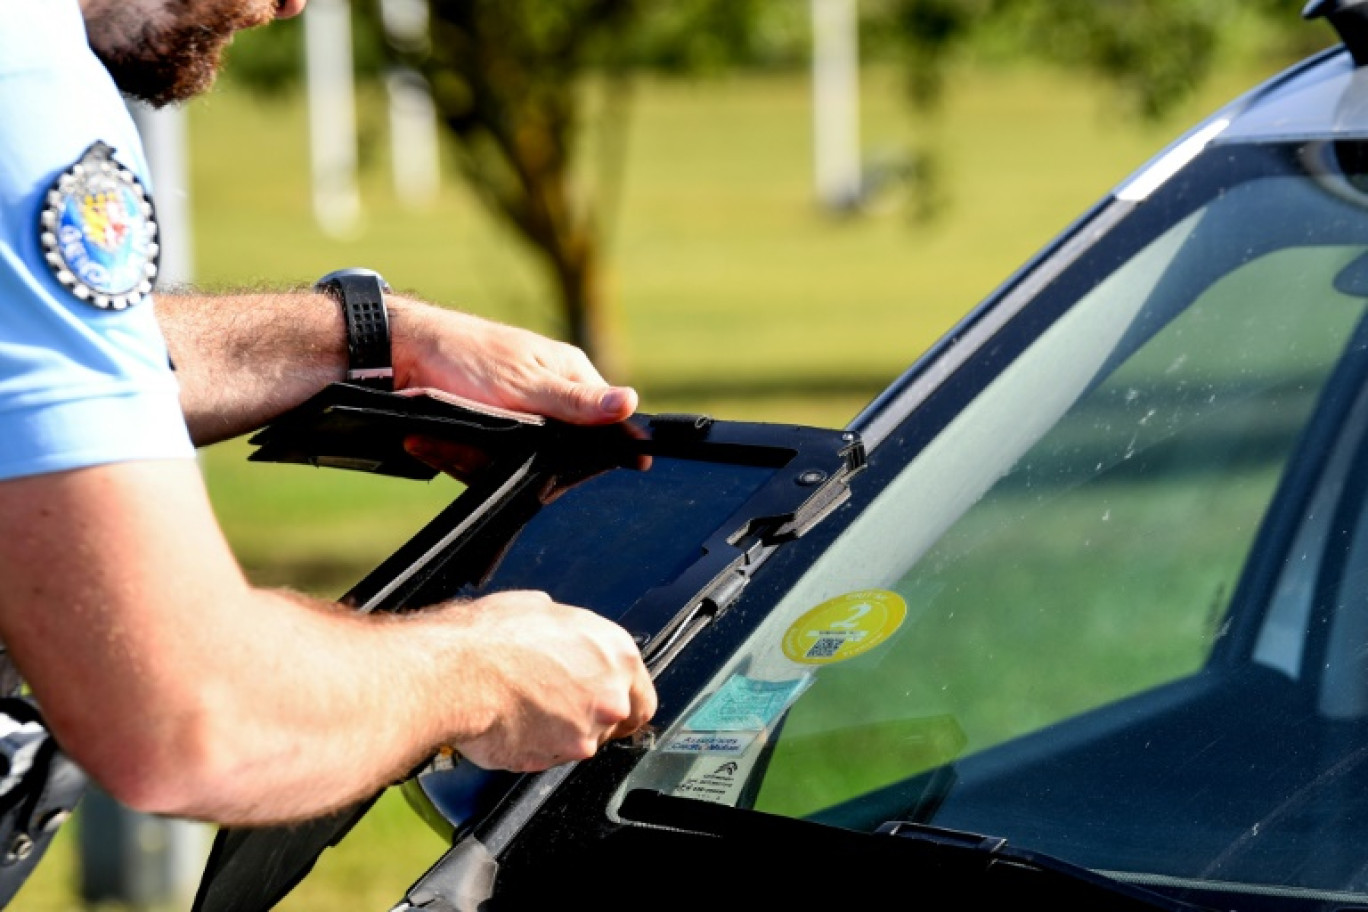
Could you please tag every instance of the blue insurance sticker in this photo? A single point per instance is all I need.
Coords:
(747, 704)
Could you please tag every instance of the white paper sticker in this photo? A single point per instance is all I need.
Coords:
(731, 744)
(720, 782)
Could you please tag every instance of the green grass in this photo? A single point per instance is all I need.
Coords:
(731, 293)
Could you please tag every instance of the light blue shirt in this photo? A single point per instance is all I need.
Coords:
(79, 385)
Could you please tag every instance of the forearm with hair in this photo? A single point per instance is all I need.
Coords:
(242, 359)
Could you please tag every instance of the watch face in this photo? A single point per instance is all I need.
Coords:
(331, 278)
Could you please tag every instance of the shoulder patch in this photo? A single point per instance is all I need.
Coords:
(98, 231)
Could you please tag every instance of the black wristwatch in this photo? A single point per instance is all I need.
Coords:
(361, 292)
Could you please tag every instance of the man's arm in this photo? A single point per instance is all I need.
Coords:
(185, 691)
(243, 359)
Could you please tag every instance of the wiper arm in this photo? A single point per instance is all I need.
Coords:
(976, 870)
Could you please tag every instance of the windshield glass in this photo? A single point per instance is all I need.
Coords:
(1108, 606)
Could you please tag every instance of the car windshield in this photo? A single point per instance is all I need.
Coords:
(1102, 592)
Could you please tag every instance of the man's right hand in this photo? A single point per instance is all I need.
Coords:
(548, 683)
(185, 691)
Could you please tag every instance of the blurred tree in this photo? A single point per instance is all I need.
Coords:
(507, 78)
(510, 82)
(1155, 51)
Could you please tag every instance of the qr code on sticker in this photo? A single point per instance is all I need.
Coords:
(825, 647)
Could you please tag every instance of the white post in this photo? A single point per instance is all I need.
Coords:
(836, 102)
(332, 116)
(413, 138)
(163, 133)
(414, 156)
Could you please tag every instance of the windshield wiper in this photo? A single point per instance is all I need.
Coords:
(975, 869)
(995, 852)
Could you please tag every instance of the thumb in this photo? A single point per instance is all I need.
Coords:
(581, 403)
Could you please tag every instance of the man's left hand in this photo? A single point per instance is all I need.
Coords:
(501, 365)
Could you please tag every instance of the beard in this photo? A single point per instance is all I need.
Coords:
(175, 53)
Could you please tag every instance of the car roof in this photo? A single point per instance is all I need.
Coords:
(1323, 97)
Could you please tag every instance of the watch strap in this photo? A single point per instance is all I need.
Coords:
(361, 292)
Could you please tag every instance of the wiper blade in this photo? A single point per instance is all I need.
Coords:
(995, 852)
(977, 871)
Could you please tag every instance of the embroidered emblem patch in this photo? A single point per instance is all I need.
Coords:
(98, 231)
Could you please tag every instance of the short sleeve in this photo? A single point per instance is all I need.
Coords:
(81, 382)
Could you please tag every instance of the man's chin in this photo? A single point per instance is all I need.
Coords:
(164, 81)
(177, 60)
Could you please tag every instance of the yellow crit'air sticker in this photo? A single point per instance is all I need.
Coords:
(844, 627)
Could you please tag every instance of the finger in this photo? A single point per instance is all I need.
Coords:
(583, 403)
(458, 460)
(642, 695)
(618, 403)
(641, 462)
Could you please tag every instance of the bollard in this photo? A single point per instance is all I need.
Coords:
(137, 859)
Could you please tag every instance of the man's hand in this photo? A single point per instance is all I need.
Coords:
(549, 683)
(501, 365)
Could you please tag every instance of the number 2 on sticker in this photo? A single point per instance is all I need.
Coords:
(853, 619)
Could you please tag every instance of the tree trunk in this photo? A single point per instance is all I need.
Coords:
(575, 270)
